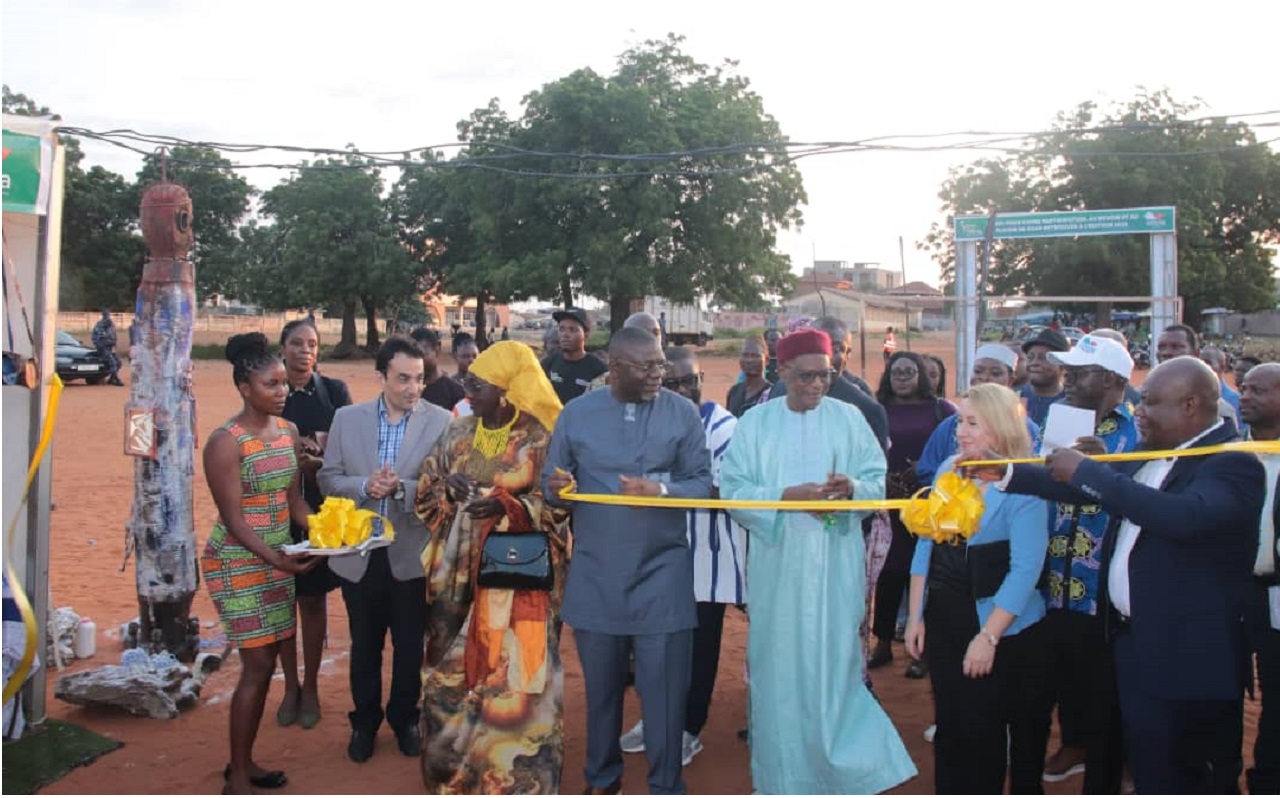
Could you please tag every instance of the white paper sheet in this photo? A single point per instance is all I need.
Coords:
(1274, 594)
(1065, 425)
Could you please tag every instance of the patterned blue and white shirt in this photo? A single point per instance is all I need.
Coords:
(718, 544)
(390, 438)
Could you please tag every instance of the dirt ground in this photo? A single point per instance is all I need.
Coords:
(93, 488)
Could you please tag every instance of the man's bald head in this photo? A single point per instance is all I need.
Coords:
(1179, 401)
(838, 332)
(643, 321)
(1215, 357)
(1113, 334)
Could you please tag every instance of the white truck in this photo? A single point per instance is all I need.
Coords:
(683, 324)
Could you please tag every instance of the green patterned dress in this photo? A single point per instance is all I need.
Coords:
(254, 600)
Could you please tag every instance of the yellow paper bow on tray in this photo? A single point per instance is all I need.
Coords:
(339, 523)
(949, 514)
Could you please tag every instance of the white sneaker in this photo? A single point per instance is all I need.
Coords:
(930, 732)
(690, 746)
(633, 741)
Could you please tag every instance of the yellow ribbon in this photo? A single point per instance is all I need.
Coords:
(15, 683)
(340, 524)
(1253, 447)
(950, 513)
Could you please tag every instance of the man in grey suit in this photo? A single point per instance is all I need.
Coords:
(372, 457)
(630, 585)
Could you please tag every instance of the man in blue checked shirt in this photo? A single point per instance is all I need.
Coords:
(1096, 373)
(372, 457)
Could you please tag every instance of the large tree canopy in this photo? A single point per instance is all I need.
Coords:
(1150, 151)
(617, 225)
(333, 243)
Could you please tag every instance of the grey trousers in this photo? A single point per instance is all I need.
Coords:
(663, 665)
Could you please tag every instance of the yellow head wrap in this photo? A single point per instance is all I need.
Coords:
(513, 367)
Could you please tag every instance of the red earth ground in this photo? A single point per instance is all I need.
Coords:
(93, 487)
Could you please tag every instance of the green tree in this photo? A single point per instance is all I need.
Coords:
(219, 201)
(683, 227)
(102, 253)
(1148, 151)
(332, 243)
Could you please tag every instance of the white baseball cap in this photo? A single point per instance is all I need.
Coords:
(1094, 350)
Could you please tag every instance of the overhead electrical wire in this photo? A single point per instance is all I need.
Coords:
(505, 158)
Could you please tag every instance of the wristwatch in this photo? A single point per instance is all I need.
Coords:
(399, 494)
(662, 489)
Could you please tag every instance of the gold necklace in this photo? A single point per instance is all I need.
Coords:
(492, 443)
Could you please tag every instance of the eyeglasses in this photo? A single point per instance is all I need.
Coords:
(652, 367)
(473, 385)
(809, 377)
(1073, 373)
(687, 381)
(904, 374)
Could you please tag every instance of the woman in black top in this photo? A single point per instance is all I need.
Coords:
(312, 401)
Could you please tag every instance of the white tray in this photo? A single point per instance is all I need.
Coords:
(364, 548)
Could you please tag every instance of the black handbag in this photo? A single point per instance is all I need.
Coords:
(516, 561)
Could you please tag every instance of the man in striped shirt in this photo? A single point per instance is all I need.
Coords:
(719, 548)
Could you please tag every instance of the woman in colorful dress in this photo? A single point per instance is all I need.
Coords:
(492, 686)
(313, 399)
(251, 465)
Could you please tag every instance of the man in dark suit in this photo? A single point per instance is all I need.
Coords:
(1176, 575)
(372, 457)
(1260, 410)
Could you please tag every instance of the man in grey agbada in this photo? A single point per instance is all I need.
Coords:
(630, 585)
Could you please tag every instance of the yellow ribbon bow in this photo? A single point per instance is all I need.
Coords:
(950, 513)
(339, 523)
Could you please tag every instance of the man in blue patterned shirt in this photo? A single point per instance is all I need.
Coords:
(1096, 372)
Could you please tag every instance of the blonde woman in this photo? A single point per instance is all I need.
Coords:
(983, 643)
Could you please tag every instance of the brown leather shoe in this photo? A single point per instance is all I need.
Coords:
(612, 789)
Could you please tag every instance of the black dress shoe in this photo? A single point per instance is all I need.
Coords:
(361, 746)
(410, 740)
(881, 655)
(271, 780)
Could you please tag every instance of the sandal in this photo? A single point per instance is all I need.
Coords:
(271, 780)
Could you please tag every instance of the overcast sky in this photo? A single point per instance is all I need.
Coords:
(399, 75)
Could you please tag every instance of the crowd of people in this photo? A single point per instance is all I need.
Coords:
(1138, 599)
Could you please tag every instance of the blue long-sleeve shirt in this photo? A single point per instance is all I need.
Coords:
(1024, 522)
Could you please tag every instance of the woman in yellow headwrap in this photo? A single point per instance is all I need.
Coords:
(492, 683)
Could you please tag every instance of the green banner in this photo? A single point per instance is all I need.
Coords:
(1068, 223)
(21, 173)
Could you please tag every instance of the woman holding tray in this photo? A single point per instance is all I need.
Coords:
(251, 465)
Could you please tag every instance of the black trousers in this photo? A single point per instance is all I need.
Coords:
(1264, 776)
(706, 661)
(375, 605)
(1083, 682)
(993, 726)
(893, 581)
(1177, 747)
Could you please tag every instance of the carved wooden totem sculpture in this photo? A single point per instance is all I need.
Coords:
(160, 428)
